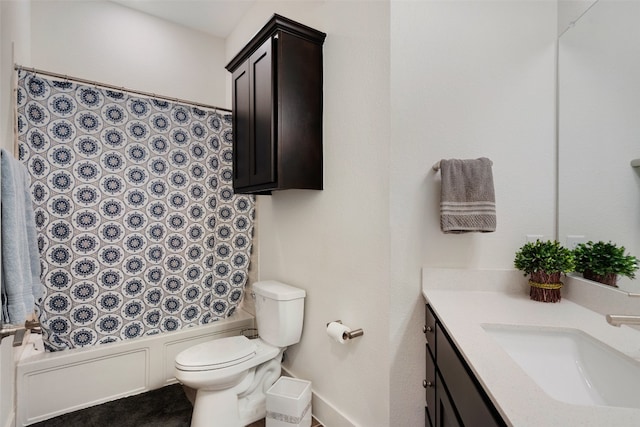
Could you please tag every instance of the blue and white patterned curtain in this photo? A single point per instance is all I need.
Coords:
(139, 229)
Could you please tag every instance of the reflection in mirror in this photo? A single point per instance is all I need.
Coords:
(599, 128)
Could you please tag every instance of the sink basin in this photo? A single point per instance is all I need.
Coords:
(571, 366)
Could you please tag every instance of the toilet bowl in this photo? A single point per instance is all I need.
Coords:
(232, 374)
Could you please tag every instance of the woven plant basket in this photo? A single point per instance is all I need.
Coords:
(610, 279)
(545, 287)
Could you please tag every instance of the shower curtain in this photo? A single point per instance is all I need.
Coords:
(139, 229)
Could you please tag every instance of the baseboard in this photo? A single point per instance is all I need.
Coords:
(322, 410)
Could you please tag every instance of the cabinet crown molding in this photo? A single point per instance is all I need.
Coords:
(276, 23)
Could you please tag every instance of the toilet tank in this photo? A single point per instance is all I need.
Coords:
(279, 312)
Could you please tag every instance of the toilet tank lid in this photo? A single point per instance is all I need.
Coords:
(277, 291)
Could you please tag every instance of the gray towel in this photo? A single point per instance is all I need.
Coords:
(21, 285)
(467, 201)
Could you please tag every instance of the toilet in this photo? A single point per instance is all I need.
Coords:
(231, 375)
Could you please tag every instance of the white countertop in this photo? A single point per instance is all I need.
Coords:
(463, 308)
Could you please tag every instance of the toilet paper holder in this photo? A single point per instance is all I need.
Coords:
(354, 333)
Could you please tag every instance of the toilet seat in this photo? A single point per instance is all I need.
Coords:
(216, 354)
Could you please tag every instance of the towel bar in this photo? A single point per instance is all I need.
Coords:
(436, 166)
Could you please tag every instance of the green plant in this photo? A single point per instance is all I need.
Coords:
(541, 258)
(598, 260)
(545, 262)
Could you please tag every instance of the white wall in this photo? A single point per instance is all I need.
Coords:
(468, 79)
(15, 46)
(335, 243)
(107, 42)
(406, 83)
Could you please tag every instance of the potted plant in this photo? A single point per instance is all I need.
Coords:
(545, 262)
(604, 262)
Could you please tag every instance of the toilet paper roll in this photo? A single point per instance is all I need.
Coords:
(338, 332)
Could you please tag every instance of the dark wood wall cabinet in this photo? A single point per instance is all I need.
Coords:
(277, 109)
(454, 397)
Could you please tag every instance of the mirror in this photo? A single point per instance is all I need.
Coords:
(599, 128)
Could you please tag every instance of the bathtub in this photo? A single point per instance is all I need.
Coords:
(51, 384)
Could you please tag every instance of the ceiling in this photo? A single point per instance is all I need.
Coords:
(215, 17)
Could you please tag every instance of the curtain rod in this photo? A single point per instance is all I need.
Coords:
(119, 88)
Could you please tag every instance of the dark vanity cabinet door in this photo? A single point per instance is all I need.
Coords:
(429, 330)
(471, 402)
(430, 387)
(454, 397)
(429, 383)
(277, 109)
(447, 416)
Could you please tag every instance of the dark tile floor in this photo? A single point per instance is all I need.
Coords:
(165, 407)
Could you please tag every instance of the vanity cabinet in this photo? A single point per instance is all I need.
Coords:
(454, 397)
(277, 109)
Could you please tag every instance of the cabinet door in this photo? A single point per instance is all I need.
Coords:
(241, 126)
(468, 397)
(430, 386)
(445, 414)
(430, 330)
(263, 149)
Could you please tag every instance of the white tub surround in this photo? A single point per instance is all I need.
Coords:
(51, 384)
(464, 300)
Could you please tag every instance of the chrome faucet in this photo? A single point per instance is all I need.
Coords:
(620, 319)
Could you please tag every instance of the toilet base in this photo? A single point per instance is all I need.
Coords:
(240, 405)
(216, 408)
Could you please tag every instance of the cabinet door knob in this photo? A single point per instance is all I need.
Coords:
(426, 329)
(426, 384)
